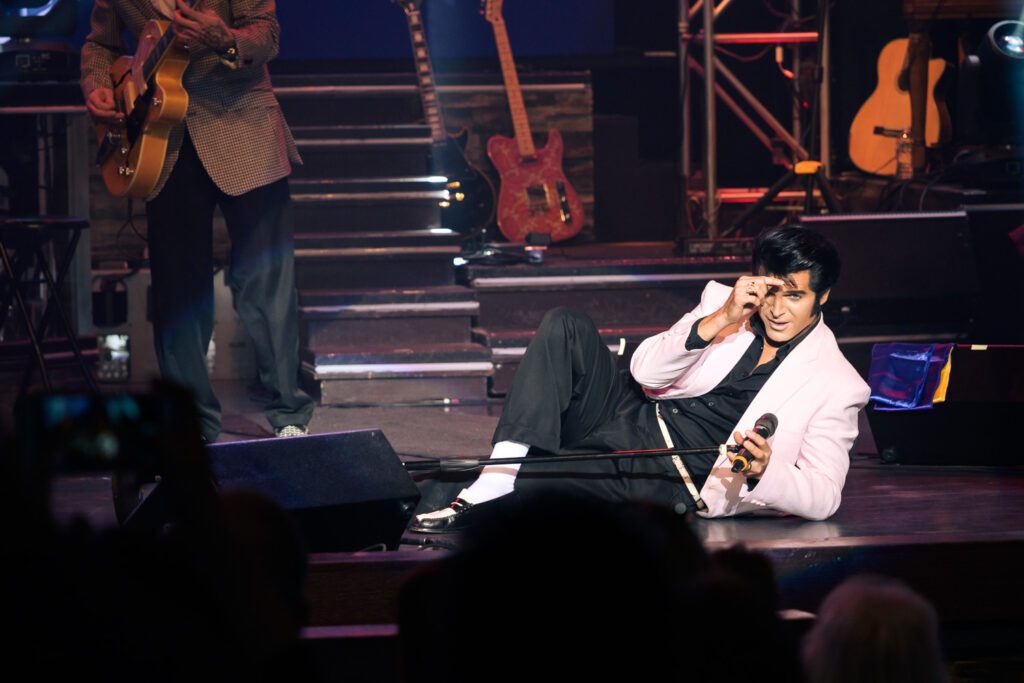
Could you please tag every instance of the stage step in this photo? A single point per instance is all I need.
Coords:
(353, 99)
(360, 237)
(361, 151)
(398, 317)
(624, 292)
(431, 373)
(390, 210)
(367, 187)
(342, 264)
(508, 346)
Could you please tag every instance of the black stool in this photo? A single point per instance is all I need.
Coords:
(26, 238)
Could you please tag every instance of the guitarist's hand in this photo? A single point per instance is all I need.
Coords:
(202, 26)
(100, 104)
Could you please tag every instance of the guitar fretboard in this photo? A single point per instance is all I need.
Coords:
(160, 48)
(157, 53)
(425, 76)
(524, 138)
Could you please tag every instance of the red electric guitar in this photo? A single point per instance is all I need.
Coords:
(535, 196)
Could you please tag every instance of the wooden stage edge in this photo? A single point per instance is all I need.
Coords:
(954, 534)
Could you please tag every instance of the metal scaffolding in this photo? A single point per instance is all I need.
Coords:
(709, 71)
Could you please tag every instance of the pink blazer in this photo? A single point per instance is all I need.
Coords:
(815, 393)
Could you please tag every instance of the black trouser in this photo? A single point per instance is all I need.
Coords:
(569, 396)
(261, 277)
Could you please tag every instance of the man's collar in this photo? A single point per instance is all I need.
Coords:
(757, 327)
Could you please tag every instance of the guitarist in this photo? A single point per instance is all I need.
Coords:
(233, 150)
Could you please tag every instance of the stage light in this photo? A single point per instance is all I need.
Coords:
(991, 88)
(1007, 39)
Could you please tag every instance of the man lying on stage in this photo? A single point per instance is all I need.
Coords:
(757, 347)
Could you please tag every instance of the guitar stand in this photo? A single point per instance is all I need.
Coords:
(811, 173)
(531, 252)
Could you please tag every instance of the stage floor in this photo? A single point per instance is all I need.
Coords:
(954, 533)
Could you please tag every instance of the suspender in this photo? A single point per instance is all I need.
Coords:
(678, 462)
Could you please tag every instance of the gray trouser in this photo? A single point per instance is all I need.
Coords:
(261, 277)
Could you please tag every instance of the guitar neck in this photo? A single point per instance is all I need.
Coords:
(425, 77)
(524, 138)
(156, 55)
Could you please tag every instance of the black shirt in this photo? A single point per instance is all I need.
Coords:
(708, 420)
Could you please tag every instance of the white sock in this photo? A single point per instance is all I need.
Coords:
(496, 480)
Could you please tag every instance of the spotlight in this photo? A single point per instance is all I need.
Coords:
(991, 88)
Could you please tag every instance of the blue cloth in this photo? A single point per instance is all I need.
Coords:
(905, 376)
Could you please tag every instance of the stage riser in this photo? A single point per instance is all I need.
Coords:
(455, 295)
(363, 161)
(859, 355)
(378, 239)
(505, 370)
(364, 109)
(505, 365)
(382, 270)
(363, 185)
(391, 330)
(394, 390)
(964, 581)
(388, 355)
(320, 215)
(655, 305)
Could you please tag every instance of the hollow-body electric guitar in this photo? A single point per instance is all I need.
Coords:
(148, 91)
(469, 206)
(535, 196)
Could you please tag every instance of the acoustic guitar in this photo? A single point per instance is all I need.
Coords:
(887, 111)
(149, 93)
(469, 207)
(535, 196)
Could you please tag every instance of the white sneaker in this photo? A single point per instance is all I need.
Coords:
(292, 430)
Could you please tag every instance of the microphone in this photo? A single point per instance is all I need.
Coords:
(765, 426)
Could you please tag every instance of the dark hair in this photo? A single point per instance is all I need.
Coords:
(791, 248)
(872, 628)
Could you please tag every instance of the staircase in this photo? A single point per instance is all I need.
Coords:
(382, 320)
(630, 290)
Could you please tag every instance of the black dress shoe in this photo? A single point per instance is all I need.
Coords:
(440, 525)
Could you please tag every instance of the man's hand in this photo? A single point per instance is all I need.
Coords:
(745, 298)
(100, 104)
(758, 452)
(202, 26)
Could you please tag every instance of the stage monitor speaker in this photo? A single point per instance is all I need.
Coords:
(984, 402)
(900, 256)
(347, 491)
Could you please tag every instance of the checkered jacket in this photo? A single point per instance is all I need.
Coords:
(233, 118)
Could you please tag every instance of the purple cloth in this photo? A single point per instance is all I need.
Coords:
(905, 376)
